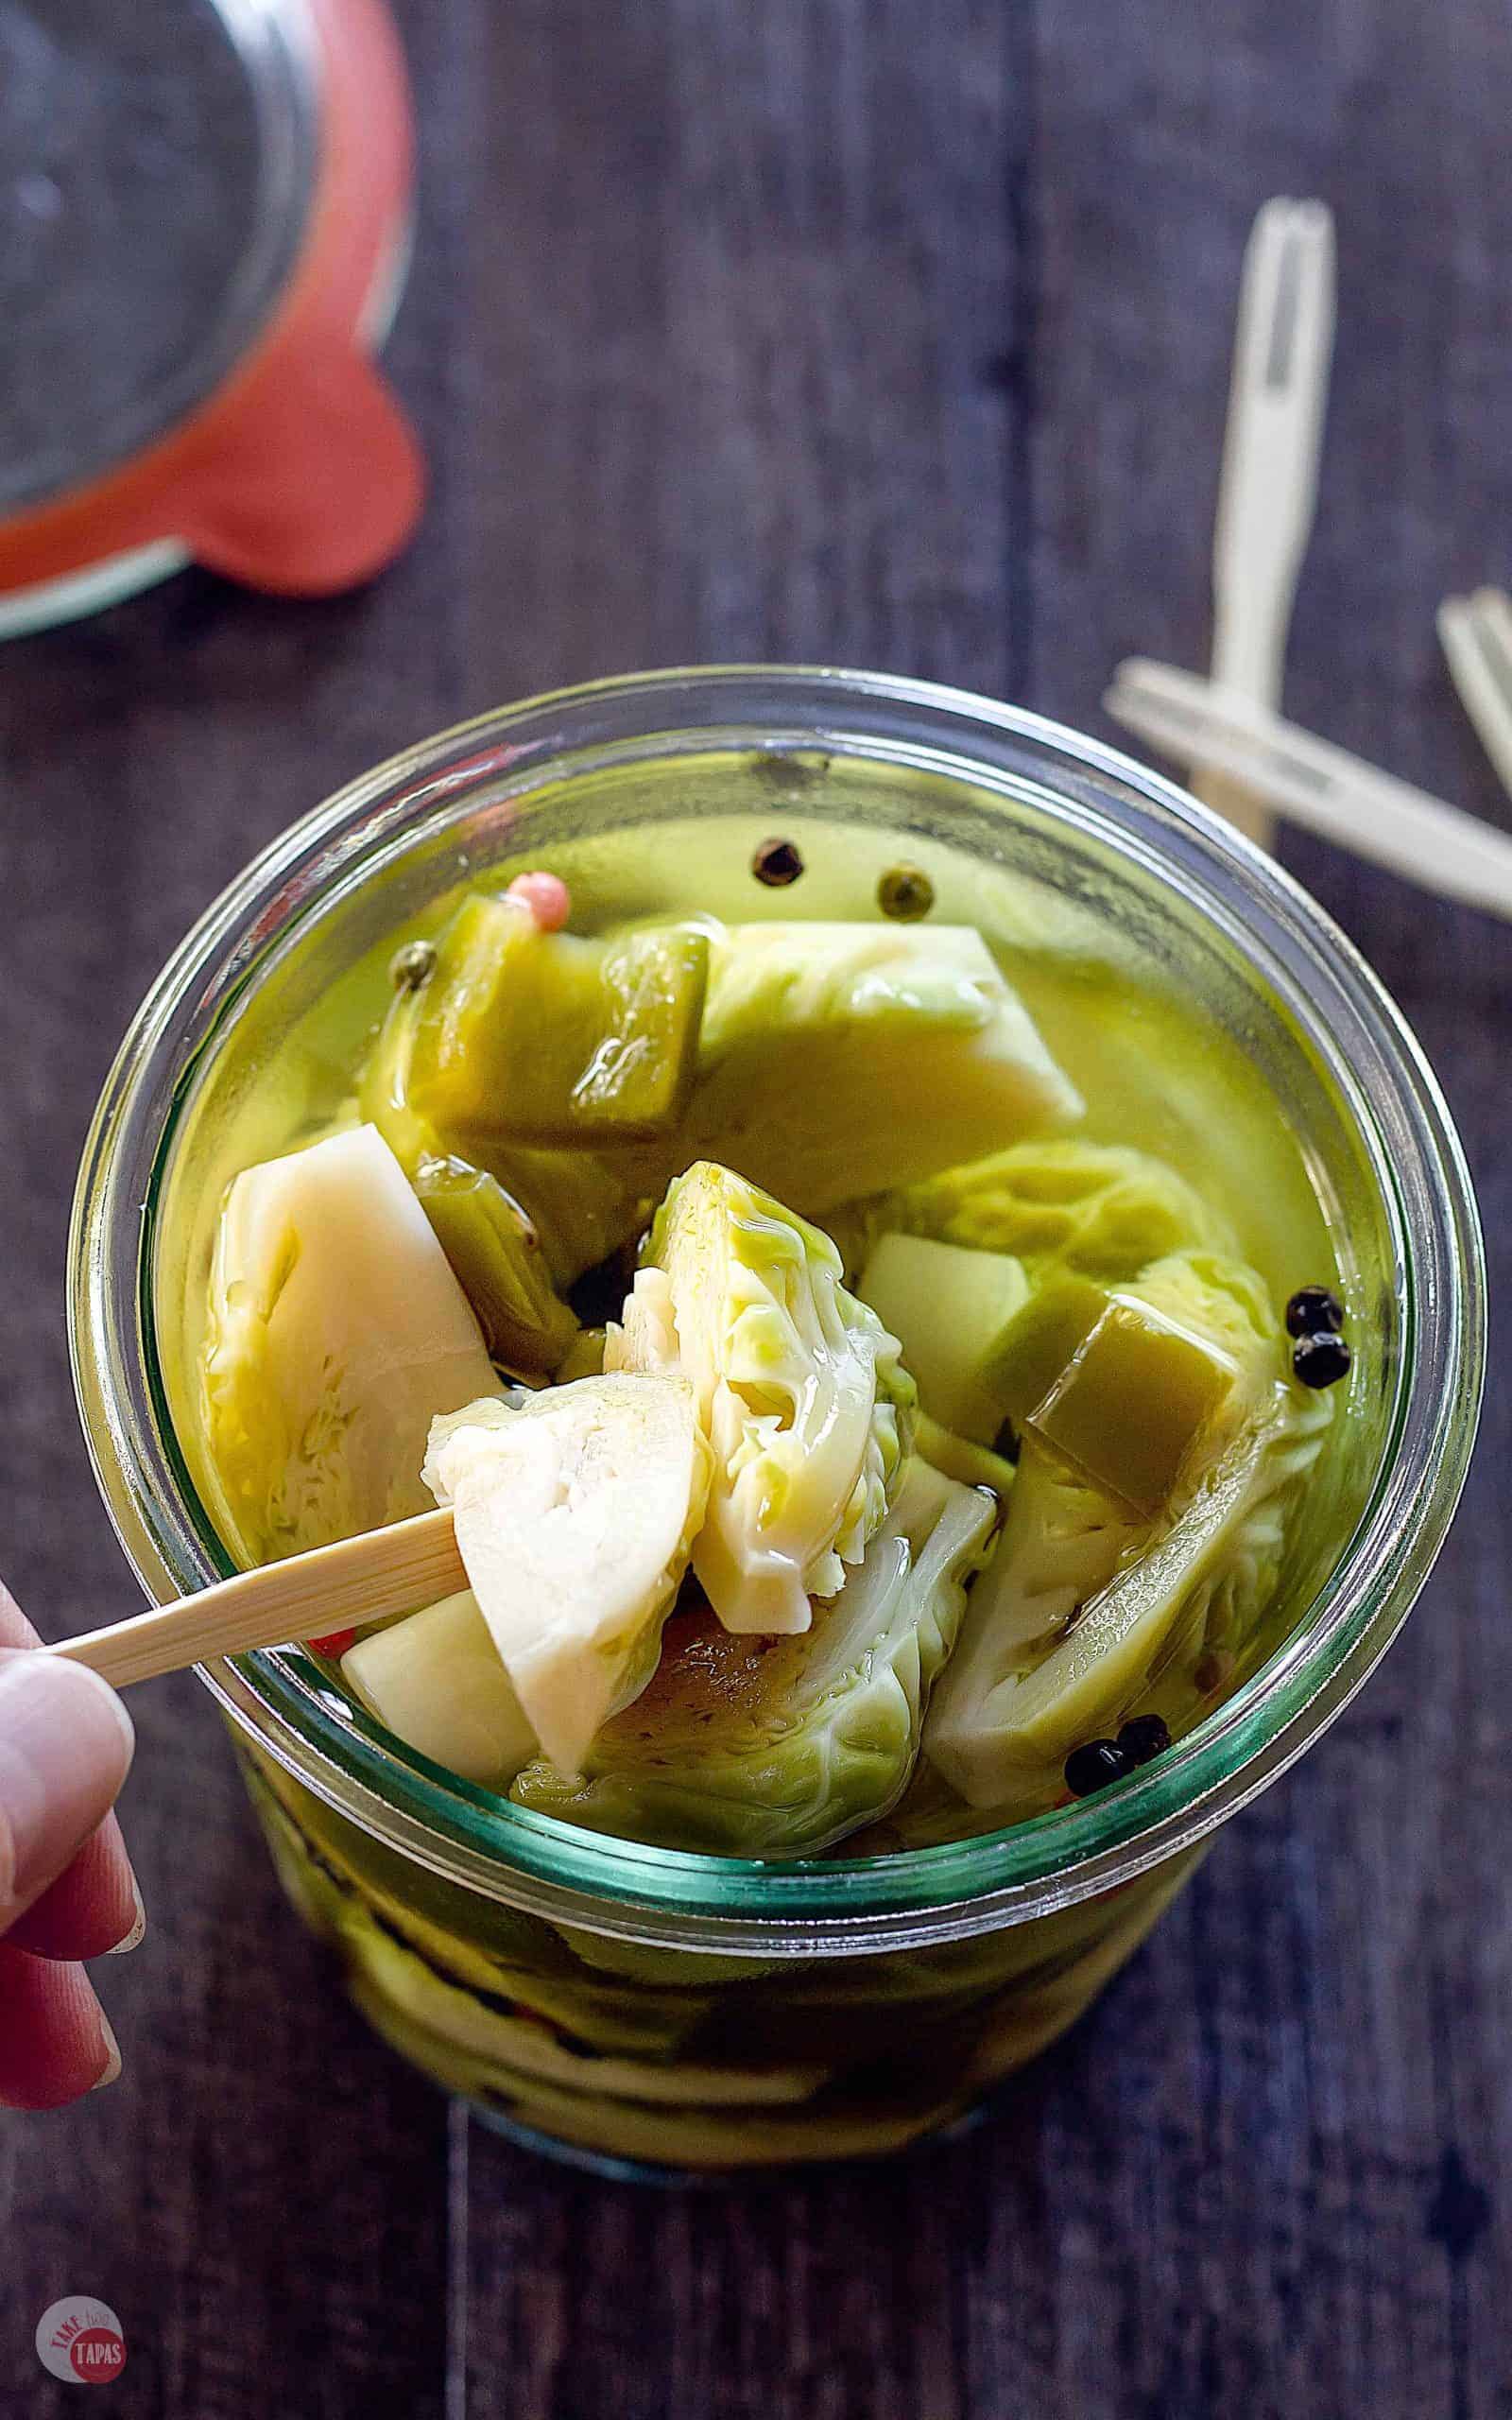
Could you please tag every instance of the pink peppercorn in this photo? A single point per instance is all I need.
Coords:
(546, 896)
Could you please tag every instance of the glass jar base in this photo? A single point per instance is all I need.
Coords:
(665, 2178)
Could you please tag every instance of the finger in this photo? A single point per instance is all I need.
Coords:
(92, 1910)
(55, 2042)
(65, 1748)
(16, 1631)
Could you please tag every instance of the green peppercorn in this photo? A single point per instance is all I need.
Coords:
(906, 893)
(412, 966)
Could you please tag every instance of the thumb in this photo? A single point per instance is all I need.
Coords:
(65, 1748)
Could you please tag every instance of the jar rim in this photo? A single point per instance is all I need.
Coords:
(909, 1898)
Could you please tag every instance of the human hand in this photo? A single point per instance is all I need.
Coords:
(66, 1888)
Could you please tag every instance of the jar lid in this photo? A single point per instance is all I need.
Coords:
(202, 208)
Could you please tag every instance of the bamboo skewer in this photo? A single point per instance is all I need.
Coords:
(359, 1580)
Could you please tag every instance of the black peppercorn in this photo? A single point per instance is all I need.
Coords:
(1145, 1737)
(777, 863)
(906, 893)
(1095, 1764)
(1313, 1310)
(1320, 1361)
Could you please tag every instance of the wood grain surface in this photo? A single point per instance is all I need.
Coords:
(835, 330)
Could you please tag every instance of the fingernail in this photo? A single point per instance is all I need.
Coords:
(132, 1940)
(65, 1748)
(112, 2056)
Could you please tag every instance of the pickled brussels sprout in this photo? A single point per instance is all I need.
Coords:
(576, 1206)
(584, 1205)
(959, 1457)
(799, 1387)
(1138, 1396)
(437, 1681)
(496, 1253)
(1088, 1599)
(1219, 1298)
(837, 1059)
(1005, 1718)
(948, 1310)
(535, 1037)
(337, 1332)
(779, 1747)
(1093, 1208)
(1035, 1349)
(1061, 1543)
(575, 1513)
(584, 1357)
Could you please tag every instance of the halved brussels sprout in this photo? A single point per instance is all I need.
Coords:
(948, 1310)
(1061, 1543)
(1094, 1208)
(437, 1680)
(576, 1509)
(1211, 1294)
(836, 1059)
(584, 1357)
(959, 1457)
(799, 1387)
(1139, 1394)
(535, 1037)
(1087, 1601)
(547, 1213)
(1003, 1727)
(496, 1255)
(584, 1205)
(779, 1747)
(336, 1333)
(1034, 1348)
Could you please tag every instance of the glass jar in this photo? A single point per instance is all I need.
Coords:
(636, 2005)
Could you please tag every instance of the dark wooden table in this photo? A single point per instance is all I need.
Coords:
(881, 334)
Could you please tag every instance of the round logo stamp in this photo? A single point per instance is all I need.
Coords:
(81, 2341)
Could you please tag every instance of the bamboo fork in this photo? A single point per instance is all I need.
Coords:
(1268, 488)
(1371, 813)
(1476, 633)
(363, 1578)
